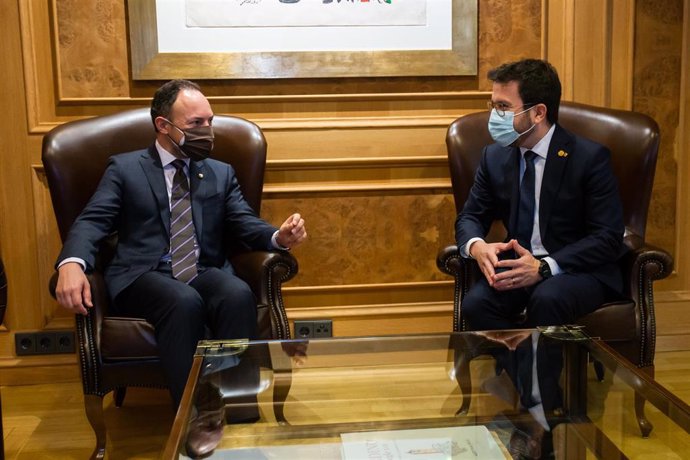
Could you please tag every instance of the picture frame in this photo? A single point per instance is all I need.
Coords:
(148, 62)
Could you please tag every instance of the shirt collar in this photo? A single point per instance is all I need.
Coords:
(167, 157)
(542, 147)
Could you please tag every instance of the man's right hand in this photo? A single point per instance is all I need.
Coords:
(486, 255)
(73, 290)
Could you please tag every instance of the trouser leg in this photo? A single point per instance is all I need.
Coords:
(176, 311)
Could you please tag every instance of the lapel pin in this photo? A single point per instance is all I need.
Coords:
(562, 154)
(201, 175)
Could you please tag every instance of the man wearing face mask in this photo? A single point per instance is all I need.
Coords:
(163, 269)
(556, 195)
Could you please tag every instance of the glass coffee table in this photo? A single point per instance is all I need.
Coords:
(497, 394)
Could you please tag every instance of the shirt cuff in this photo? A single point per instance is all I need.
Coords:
(73, 259)
(274, 242)
(465, 251)
(553, 265)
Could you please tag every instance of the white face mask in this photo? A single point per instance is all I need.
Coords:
(501, 127)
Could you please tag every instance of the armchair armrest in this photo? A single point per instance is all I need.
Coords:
(464, 271)
(99, 295)
(88, 330)
(265, 272)
(641, 266)
(449, 260)
(644, 262)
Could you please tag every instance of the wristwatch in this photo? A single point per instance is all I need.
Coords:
(544, 269)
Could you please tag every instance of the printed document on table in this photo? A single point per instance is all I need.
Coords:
(466, 442)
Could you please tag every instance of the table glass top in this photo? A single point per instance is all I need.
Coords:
(497, 394)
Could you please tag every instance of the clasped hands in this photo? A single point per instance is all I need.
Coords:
(504, 275)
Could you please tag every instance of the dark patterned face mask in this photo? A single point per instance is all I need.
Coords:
(196, 143)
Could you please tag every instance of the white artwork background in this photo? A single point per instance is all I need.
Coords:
(429, 27)
(310, 13)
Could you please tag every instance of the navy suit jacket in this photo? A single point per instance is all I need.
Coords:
(132, 200)
(580, 212)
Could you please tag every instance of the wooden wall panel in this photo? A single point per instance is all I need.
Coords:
(49, 245)
(508, 30)
(99, 69)
(657, 79)
(369, 237)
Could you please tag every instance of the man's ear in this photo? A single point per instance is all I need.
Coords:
(539, 113)
(162, 125)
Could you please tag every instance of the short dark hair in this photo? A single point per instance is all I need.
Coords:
(165, 97)
(537, 80)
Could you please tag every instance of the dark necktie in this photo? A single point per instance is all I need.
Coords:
(182, 236)
(526, 208)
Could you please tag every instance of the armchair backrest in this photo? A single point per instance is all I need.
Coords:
(632, 137)
(76, 154)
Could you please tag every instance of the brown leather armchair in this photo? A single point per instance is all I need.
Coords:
(627, 325)
(116, 352)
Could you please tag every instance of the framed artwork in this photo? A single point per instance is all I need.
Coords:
(263, 39)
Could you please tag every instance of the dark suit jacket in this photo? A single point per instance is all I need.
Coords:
(580, 213)
(132, 200)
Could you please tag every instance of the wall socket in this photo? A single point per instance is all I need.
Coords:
(313, 329)
(44, 342)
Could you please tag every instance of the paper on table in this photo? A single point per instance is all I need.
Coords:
(465, 442)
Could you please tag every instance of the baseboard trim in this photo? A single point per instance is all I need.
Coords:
(39, 369)
(676, 342)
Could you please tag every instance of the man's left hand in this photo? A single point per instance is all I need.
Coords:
(521, 272)
(292, 232)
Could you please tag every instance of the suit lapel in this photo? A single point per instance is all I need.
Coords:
(153, 169)
(557, 158)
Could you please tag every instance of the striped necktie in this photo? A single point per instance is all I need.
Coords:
(182, 236)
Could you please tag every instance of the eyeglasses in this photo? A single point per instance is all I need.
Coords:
(502, 108)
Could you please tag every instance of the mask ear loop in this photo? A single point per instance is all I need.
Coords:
(528, 129)
(180, 130)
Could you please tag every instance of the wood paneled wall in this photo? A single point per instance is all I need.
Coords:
(363, 159)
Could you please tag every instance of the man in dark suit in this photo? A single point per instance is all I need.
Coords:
(172, 208)
(557, 197)
(561, 209)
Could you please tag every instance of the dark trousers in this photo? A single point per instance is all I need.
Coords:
(181, 314)
(553, 302)
(556, 301)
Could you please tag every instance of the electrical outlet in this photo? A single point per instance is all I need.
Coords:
(323, 328)
(317, 328)
(64, 341)
(25, 343)
(304, 329)
(44, 342)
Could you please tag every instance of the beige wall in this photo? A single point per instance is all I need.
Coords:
(362, 158)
